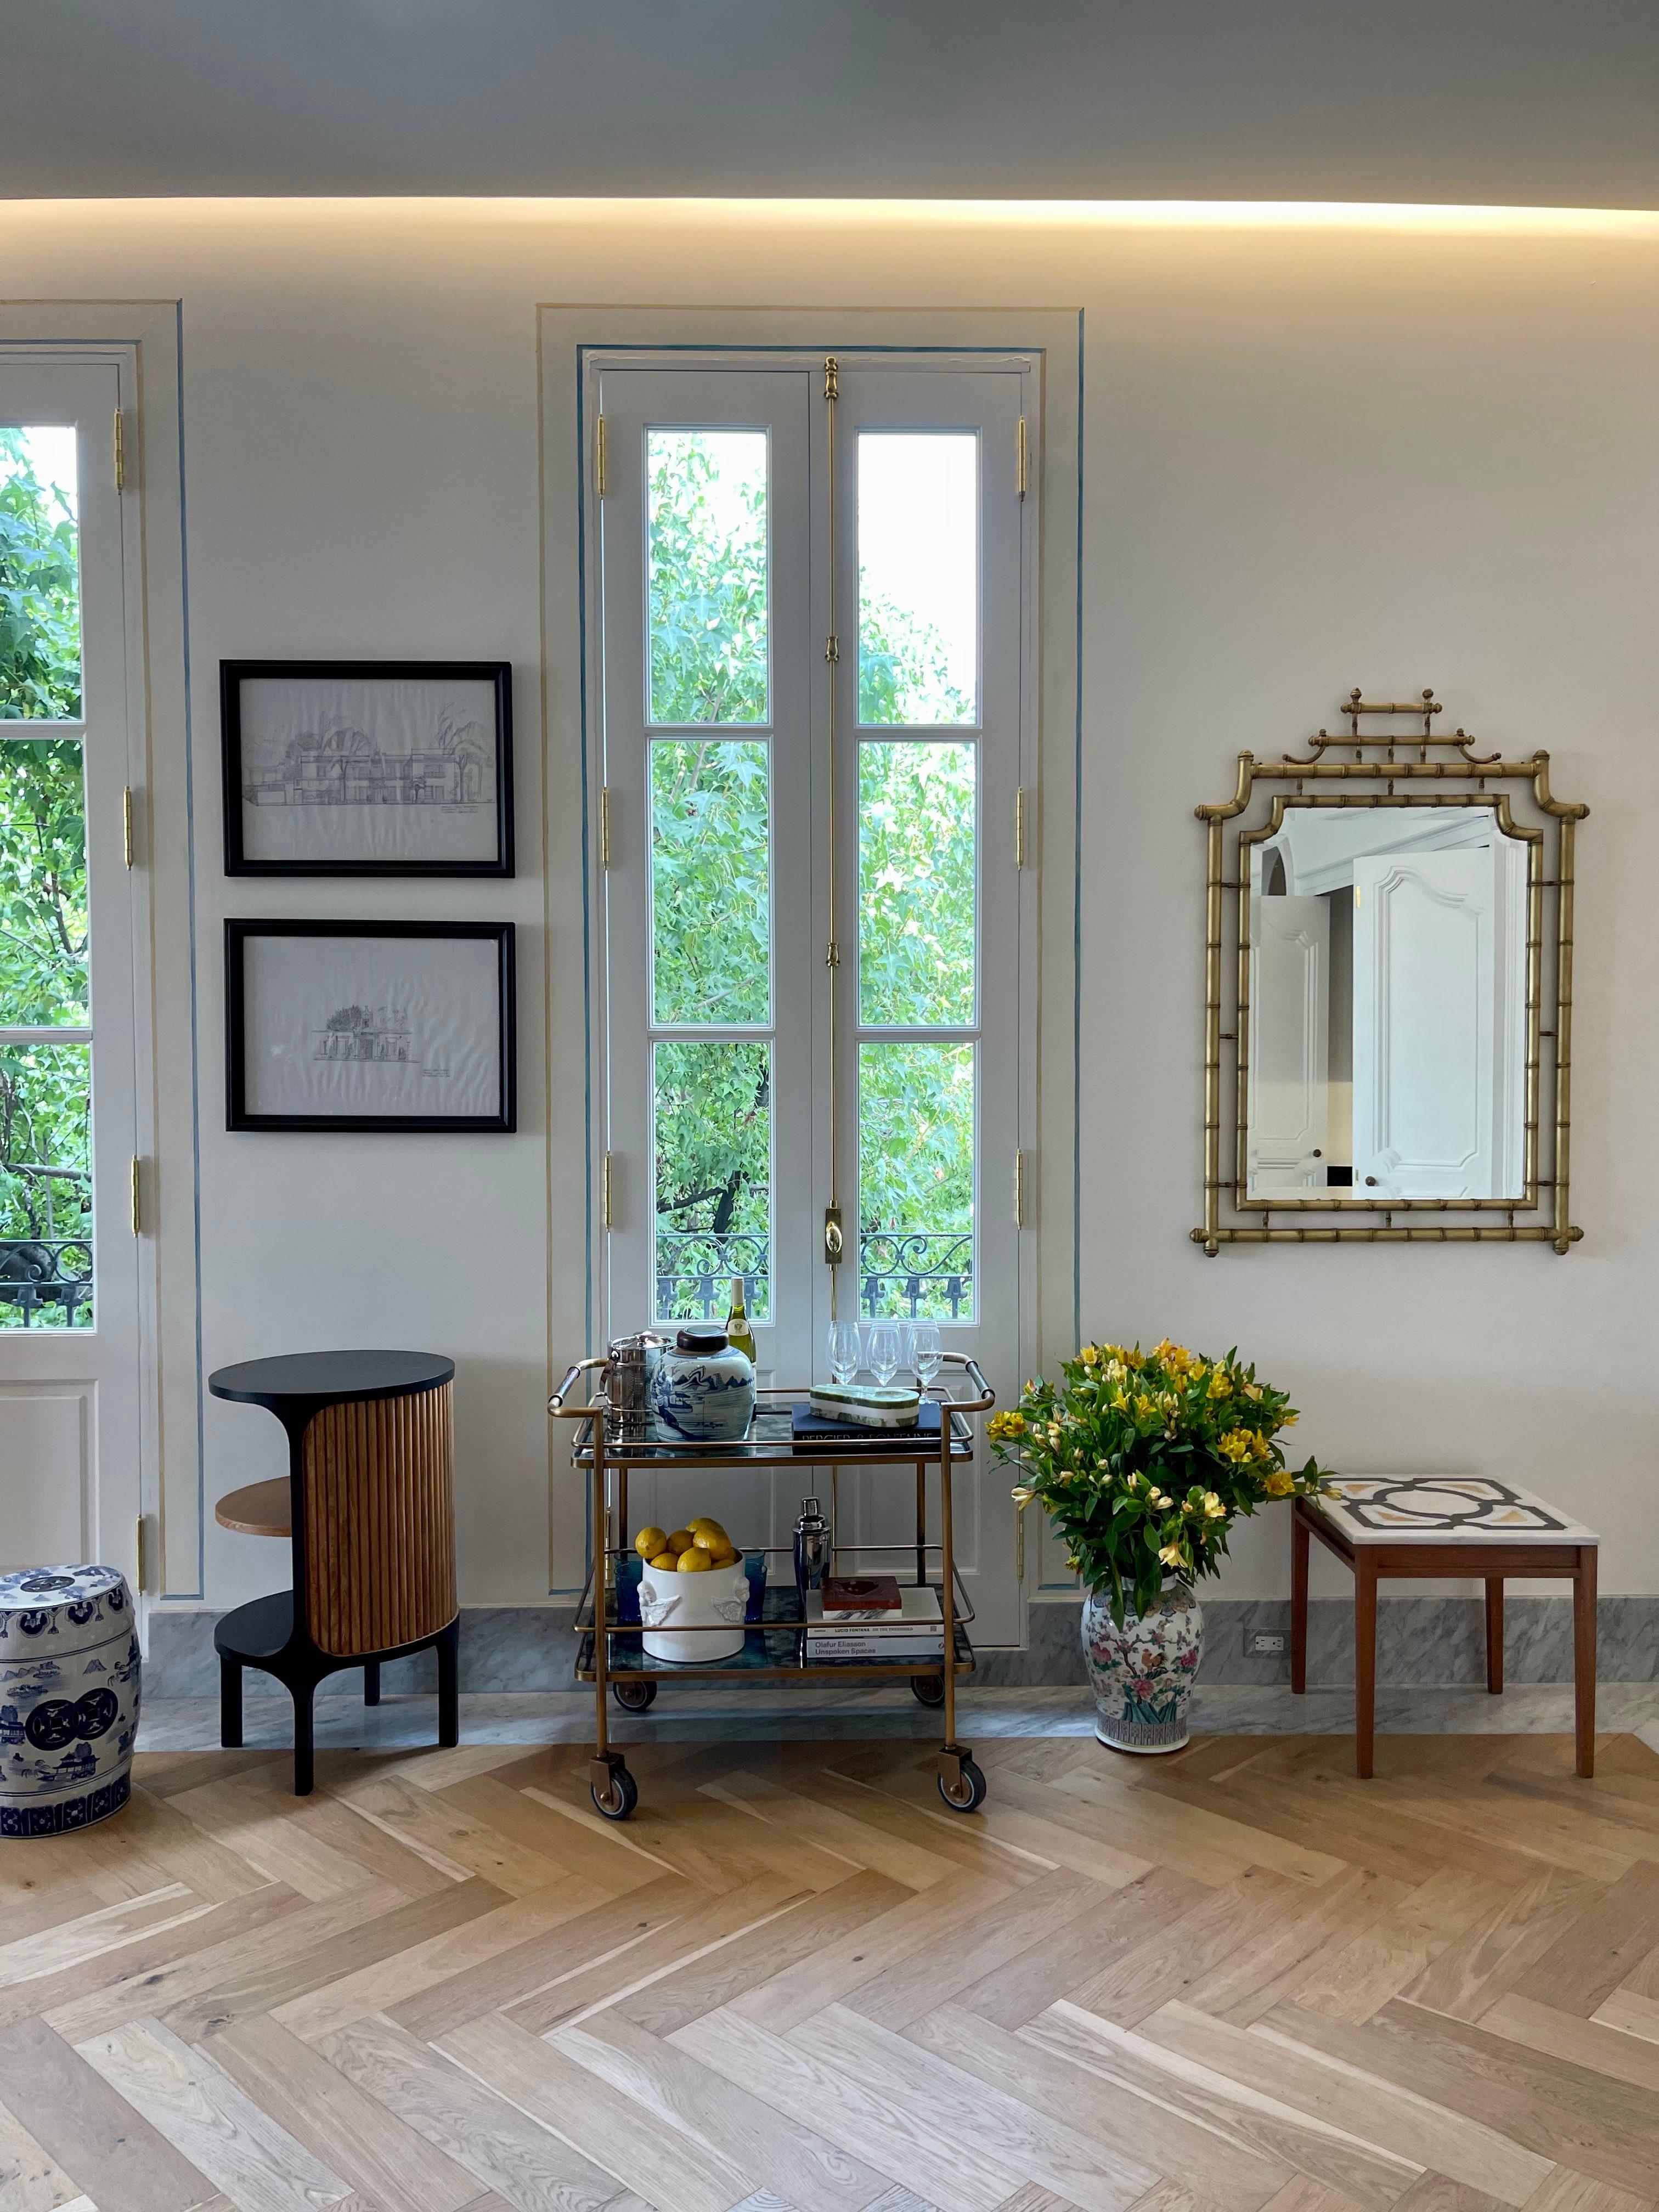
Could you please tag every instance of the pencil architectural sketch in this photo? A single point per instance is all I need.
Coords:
(358, 1025)
(344, 768)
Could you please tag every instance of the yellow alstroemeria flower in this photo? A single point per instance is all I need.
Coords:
(1252, 1389)
(1172, 1555)
(1279, 1482)
(1120, 1401)
(1220, 1386)
(1022, 1494)
(1235, 1446)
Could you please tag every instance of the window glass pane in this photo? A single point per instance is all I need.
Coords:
(40, 576)
(43, 883)
(918, 576)
(46, 1187)
(713, 1199)
(916, 1180)
(706, 521)
(710, 889)
(916, 939)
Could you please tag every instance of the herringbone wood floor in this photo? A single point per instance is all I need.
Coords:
(1234, 1978)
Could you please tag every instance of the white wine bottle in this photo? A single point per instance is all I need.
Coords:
(739, 1334)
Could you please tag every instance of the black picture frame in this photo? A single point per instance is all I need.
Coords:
(237, 1117)
(232, 674)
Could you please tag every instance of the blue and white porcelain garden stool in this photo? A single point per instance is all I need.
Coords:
(69, 1698)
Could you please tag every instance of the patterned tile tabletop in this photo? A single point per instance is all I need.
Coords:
(1446, 1509)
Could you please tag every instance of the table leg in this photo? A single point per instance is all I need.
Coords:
(1301, 1543)
(1364, 1665)
(947, 1595)
(1495, 1635)
(1584, 1659)
(601, 1610)
(371, 1681)
(922, 1521)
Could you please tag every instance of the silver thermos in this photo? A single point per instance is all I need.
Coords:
(630, 1366)
(811, 1549)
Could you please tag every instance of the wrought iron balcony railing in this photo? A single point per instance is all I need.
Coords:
(920, 1275)
(43, 1276)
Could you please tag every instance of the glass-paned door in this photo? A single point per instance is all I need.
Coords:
(69, 1297)
(811, 970)
(931, 585)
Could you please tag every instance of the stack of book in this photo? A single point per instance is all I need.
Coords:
(870, 1617)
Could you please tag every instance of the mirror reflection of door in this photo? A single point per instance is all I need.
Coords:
(1389, 1015)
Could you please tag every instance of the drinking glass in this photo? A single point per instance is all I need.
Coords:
(843, 1350)
(883, 1351)
(926, 1350)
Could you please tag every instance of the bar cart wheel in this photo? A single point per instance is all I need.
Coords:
(928, 1689)
(961, 1781)
(616, 1797)
(635, 1697)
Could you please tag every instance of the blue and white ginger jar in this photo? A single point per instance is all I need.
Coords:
(69, 1698)
(704, 1389)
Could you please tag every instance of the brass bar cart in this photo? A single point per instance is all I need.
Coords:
(611, 1651)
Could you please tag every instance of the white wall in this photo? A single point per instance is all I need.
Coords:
(1315, 458)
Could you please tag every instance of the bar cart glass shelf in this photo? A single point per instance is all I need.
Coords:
(610, 1653)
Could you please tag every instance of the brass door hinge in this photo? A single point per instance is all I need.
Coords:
(120, 452)
(598, 456)
(831, 377)
(605, 1192)
(835, 1242)
(142, 1563)
(1019, 1190)
(135, 1194)
(605, 827)
(127, 824)
(1023, 457)
(1019, 828)
(832, 647)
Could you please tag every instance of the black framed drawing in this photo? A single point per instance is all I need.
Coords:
(370, 1025)
(367, 768)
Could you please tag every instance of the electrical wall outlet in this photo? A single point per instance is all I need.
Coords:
(1267, 1644)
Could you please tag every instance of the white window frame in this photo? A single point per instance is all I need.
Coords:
(140, 340)
(571, 337)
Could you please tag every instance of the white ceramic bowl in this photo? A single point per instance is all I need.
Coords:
(672, 1603)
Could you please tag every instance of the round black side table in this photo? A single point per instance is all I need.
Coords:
(371, 1508)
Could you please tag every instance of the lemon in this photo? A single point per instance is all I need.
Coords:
(680, 1542)
(726, 1558)
(694, 1562)
(710, 1536)
(649, 1542)
(665, 1562)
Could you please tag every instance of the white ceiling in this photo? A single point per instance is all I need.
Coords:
(1542, 102)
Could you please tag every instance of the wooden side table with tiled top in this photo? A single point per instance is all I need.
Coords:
(1463, 1526)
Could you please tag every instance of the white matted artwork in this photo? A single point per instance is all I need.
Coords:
(369, 1026)
(348, 767)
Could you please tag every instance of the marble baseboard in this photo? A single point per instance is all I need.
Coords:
(763, 1712)
(506, 1650)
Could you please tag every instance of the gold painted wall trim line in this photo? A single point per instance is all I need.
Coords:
(1456, 776)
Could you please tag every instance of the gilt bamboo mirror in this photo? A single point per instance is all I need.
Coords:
(1388, 993)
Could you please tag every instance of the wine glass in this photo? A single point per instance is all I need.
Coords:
(883, 1351)
(843, 1350)
(926, 1350)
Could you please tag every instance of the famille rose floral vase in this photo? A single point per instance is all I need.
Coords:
(1142, 1674)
